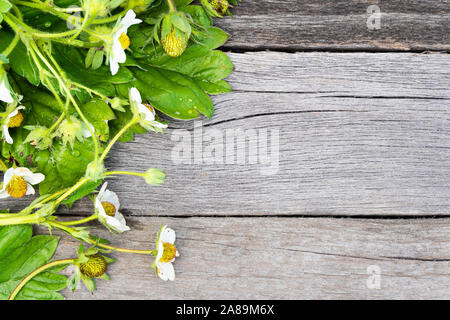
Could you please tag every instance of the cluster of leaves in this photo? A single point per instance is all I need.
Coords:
(177, 87)
(20, 254)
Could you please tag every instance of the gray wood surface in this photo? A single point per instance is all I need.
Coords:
(338, 25)
(363, 170)
(281, 258)
(359, 134)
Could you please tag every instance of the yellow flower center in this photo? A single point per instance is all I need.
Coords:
(109, 208)
(169, 252)
(15, 121)
(124, 41)
(94, 267)
(17, 187)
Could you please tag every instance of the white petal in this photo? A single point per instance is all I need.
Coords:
(135, 95)
(113, 66)
(102, 190)
(22, 172)
(6, 134)
(168, 235)
(5, 94)
(7, 177)
(128, 21)
(111, 197)
(149, 116)
(116, 224)
(166, 271)
(118, 54)
(34, 178)
(4, 194)
(30, 189)
(13, 113)
(100, 209)
(119, 217)
(160, 250)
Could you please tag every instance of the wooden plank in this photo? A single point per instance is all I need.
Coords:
(338, 25)
(359, 134)
(281, 258)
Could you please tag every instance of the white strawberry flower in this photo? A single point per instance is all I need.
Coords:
(145, 112)
(121, 41)
(107, 206)
(5, 91)
(19, 182)
(166, 254)
(12, 120)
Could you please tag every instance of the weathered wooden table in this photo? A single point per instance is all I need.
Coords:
(355, 204)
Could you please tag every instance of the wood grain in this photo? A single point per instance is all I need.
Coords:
(338, 25)
(281, 258)
(359, 134)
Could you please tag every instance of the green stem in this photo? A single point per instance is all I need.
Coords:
(48, 82)
(40, 203)
(62, 81)
(36, 272)
(105, 246)
(90, 90)
(57, 122)
(112, 173)
(72, 189)
(117, 136)
(3, 165)
(171, 6)
(87, 19)
(32, 218)
(11, 20)
(12, 45)
(66, 16)
(77, 222)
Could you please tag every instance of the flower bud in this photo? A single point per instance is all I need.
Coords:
(69, 130)
(154, 176)
(95, 170)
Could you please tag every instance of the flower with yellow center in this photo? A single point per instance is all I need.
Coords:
(121, 41)
(12, 120)
(5, 91)
(107, 206)
(18, 182)
(167, 252)
(145, 112)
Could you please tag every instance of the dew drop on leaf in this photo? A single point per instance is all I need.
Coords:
(76, 153)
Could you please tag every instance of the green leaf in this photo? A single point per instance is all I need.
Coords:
(198, 14)
(179, 87)
(97, 113)
(212, 37)
(21, 254)
(19, 59)
(5, 5)
(73, 63)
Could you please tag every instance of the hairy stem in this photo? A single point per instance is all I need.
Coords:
(36, 272)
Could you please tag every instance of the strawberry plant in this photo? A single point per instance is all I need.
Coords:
(77, 76)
